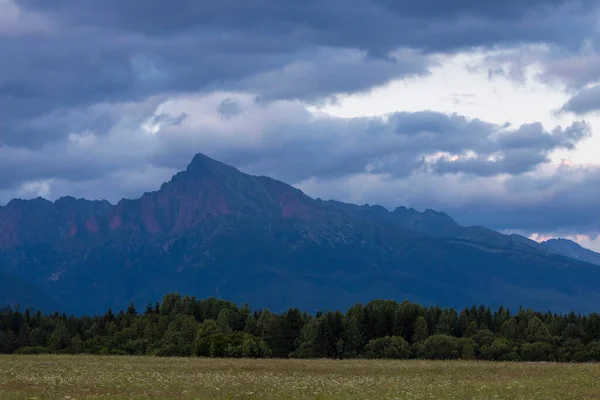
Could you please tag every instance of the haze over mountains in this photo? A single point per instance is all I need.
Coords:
(215, 231)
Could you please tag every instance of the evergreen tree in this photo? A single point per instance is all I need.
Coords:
(131, 310)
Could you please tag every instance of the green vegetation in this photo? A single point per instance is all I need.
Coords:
(108, 377)
(184, 326)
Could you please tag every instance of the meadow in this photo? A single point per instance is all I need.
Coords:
(118, 377)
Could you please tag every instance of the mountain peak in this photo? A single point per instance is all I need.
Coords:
(573, 249)
(199, 160)
(202, 162)
(202, 167)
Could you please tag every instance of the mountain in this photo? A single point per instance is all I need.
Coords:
(571, 249)
(14, 291)
(215, 231)
(439, 224)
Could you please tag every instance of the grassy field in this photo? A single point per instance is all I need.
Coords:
(82, 377)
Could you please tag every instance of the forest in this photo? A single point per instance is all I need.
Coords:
(185, 326)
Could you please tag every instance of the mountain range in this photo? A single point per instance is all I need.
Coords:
(215, 231)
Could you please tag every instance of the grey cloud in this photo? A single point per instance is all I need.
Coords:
(367, 24)
(565, 201)
(562, 201)
(300, 146)
(449, 127)
(516, 151)
(576, 70)
(15, 22)
(167, 119)
(283, 140)
(328, 71)
(119, 143)
(118, 51)
(36, 131)
(229, 108)
(534, 136)
(585, 101)
(512, 162)
(71, 163)
(566, 68)
(56, 74)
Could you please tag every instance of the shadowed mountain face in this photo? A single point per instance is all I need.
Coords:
(571, 249)
(215, 231)
(16, 292)
(439, 224)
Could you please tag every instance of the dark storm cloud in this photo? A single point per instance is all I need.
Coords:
(54, 75)
(96, 51)
(43, 76)
(366, 24)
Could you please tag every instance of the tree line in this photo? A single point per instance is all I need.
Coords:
(185, 326)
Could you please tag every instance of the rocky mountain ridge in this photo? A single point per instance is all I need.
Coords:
(215, 231)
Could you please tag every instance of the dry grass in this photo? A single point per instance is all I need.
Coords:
(82, 377)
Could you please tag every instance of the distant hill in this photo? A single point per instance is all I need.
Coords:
(572, 249)
(215, 231)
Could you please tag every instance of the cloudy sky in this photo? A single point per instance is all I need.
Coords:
(488, 110)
